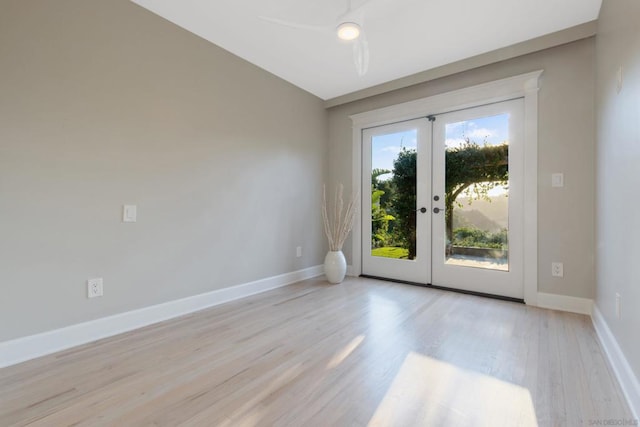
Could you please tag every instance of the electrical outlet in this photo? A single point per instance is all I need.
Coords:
(94, 287)
(298, 251)
(557, 269)
(617, 305)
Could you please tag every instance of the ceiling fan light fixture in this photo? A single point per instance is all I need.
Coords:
(348, 31)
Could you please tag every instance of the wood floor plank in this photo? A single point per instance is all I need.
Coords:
(365, 352)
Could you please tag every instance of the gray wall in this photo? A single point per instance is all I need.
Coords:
(103, 103)
(618, 178)
(566, 144)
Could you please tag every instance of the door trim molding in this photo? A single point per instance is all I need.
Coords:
(524, 86)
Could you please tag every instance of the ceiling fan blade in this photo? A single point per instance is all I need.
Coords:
(296, 25)
(361, 55)
(350, 12)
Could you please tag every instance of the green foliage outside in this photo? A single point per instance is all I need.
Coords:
(471, 170)
(404, 182)
(475, 238)
(390, 252)
(393, 207)
(380, 219)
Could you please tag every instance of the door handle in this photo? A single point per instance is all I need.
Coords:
(436, 210)
(422, 209)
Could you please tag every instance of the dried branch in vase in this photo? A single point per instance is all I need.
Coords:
(338, 226)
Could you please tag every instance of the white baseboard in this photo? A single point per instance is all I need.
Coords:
(621, 368)
(30, 347)
(565, 303)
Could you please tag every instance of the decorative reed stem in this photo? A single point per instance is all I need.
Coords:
(337, 227)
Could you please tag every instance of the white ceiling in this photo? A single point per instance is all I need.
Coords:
(405, 36)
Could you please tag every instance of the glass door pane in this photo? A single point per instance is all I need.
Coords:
(477, 192)
(393, 195)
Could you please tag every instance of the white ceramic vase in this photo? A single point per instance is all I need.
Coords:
(335, 266)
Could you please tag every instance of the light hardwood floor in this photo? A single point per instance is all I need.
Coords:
(365, 352)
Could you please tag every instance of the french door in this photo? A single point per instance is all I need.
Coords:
(396, 238)
(443, 200)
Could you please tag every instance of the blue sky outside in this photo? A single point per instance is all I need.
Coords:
(493, 130)
(385, 149)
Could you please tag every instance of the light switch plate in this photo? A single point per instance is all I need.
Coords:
(557, 180)
(129, 213)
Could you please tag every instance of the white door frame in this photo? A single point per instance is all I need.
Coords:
(523, 86)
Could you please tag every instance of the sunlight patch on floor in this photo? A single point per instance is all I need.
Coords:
(341, 355)
(427, 391)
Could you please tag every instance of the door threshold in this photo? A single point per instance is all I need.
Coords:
(444, 288)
